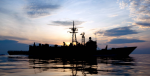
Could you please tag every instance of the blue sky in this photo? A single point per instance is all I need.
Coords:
(117, 23)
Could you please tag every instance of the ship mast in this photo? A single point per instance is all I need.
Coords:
(73, 31)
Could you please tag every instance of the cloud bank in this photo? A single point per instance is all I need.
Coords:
(66, 23)
(139, 11)
(11, 38)
(142, 24)
(121, 41)
(118, 31)
(38, 8)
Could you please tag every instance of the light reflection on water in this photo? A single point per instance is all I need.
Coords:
(136, 64)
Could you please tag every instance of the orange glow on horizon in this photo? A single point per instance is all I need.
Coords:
(67, 43)
(74, 43)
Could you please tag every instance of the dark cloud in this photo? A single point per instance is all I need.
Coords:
(118, 31)
(121, 41)
(37, 8)
(143, 21)
(12, 38)
(66, 23)
(144, 24)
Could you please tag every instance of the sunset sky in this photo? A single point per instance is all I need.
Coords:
(117, 23)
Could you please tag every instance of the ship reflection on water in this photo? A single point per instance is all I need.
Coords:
(88, 65)
(134, 65)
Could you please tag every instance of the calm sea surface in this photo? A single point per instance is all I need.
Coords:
(134, 65)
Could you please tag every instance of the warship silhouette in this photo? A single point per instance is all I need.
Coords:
(74, 49)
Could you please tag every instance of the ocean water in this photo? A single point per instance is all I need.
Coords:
(17, 65)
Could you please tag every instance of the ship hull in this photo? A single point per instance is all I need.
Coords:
(116, 52)
(113, 52)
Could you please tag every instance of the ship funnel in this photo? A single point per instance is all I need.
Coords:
(89, 38)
